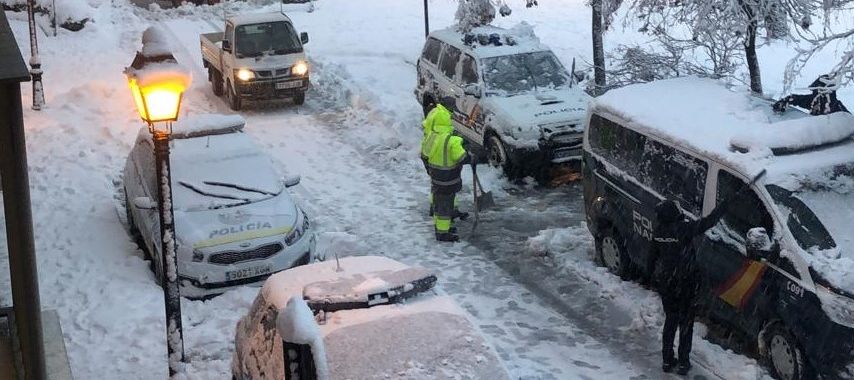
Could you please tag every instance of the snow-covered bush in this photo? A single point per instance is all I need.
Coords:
(69, 14)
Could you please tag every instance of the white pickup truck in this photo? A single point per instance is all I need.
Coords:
(258, 57)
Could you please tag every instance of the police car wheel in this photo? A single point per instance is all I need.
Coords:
(611, 253)
(784, 355)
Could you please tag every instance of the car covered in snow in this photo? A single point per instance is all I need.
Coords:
(257, 57)
(512, 97)
(235, 222)
(778, 269)
(363, 317)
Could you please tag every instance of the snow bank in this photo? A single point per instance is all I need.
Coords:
(296, 324)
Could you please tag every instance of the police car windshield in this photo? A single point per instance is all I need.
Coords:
(806, 227)
(272, 38)
(520, 73)
(223, 195)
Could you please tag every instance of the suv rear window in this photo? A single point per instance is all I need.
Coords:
(432, 49)
(448, 65)
(670, 172)
(469, 70)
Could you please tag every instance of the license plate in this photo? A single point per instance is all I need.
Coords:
(289, 84)
(248, 272)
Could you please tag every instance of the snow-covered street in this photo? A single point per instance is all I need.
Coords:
(527, 276)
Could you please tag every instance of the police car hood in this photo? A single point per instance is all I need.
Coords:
(529, 112)
(223, 185)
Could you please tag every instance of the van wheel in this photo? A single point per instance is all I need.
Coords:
(216, 82)
(611, 253)
(233, 99)
(784, 355)
(299, 99)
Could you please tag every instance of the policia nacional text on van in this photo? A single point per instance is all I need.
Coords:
(793, 297)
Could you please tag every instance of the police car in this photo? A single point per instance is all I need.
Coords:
(235, 223)
(512, 96)
(698, 142)
(347, 319)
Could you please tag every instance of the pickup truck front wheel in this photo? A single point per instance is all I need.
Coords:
(216, 82)
(233, 99)
(299, 98)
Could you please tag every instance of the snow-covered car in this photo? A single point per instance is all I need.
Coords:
(512, 96)
(348, 320)
(235, 222)
(793, 294)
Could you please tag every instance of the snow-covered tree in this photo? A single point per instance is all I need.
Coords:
(474, 13)
(745, 17)
(843, 71)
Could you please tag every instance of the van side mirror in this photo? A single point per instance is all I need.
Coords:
(226, 46)
(144, 203)
(759, 245)
(472, 90)
(291, 181)
(303, 37)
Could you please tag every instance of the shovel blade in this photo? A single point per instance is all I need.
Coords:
(485, 201)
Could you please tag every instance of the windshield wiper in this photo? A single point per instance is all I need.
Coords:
(239, 187)
(214, 195)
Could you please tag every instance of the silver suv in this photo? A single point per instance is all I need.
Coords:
(511, 96)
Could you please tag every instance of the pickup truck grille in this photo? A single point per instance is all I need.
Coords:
(233, 257)
(273, 74)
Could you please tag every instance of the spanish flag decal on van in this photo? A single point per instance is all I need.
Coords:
(738, 289)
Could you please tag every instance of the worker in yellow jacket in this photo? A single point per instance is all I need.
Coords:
(445, 157)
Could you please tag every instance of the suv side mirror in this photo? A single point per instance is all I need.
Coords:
(144, 203)
(226, 46)
(291, 181)
(472, 90)
(303, 37)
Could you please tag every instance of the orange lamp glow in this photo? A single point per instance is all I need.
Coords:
(158, 100)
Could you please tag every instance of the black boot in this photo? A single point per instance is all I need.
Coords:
(460, 215)
(684, 367)
(668, 365)
(447, 236)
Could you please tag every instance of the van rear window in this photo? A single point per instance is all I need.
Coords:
(668, 171)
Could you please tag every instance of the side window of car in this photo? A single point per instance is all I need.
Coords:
(620, 146)
(469, 70)
(146, 168)
(746, 210)
(448, 64)
(431, 50)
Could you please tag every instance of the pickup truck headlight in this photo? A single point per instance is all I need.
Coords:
(244, 74)
(300, 68)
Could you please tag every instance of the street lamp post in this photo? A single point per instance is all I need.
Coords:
(157, 83)
(35, 62)
(426, 19)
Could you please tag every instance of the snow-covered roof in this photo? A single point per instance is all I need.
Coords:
(206, 125)
(258, 18)
(280, 287)
(522, 35)
(707, 117)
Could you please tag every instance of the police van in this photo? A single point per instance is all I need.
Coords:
(698, 142)
(512, 97)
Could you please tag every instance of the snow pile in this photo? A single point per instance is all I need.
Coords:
(206, 124)
(296, 325)
(797, 134)
(555, 240)
(155, 42)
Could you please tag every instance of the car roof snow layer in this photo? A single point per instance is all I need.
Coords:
(705, 116)
(523, 35)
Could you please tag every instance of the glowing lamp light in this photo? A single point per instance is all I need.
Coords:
(158, 100)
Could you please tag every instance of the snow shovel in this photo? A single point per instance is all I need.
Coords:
(482, 200)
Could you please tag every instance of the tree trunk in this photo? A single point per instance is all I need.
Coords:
(750, 48)
(598, 48)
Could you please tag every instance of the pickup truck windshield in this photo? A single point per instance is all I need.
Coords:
(271, 38)
(520, 73)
